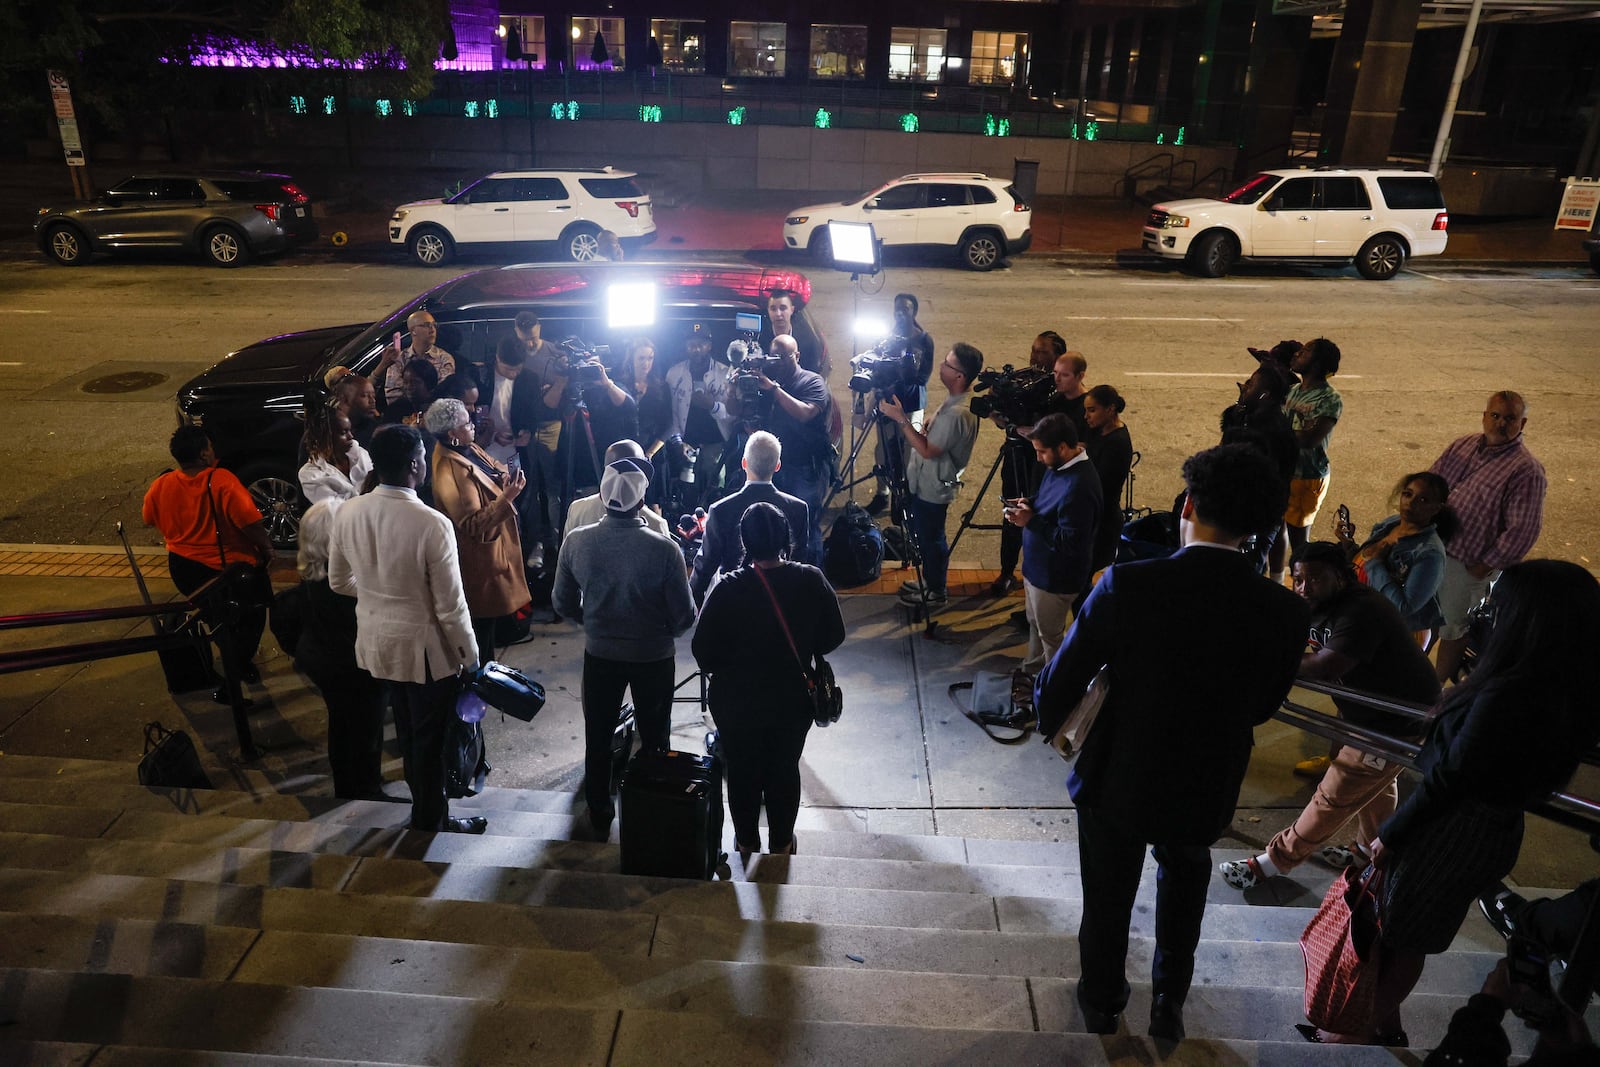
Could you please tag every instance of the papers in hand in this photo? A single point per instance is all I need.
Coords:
(1069, 737)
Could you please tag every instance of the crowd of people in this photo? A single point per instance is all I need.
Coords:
(438, 490)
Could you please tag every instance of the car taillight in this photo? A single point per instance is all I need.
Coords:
(1441, 221)
(269, 210)
(1018, 205)
(630, 206)
(295, 194)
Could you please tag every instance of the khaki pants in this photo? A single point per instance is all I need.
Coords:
(1048, 614)
(1357, 785)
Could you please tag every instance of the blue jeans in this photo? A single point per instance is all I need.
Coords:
(927, 526)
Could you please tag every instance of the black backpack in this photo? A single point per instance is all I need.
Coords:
(852, 554)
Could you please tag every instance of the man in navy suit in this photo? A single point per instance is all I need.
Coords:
(1201, 649)
(721, 550)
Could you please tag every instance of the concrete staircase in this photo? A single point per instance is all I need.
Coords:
(247, 926)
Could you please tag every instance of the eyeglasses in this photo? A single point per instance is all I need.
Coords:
(425, 326)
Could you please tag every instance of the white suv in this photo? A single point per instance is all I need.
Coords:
(980, 217)
(1378, 217)
(516, 206)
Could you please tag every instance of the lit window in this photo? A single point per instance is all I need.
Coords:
(916, 54)
(529, 30)
(682, 44)
(838, 51)
(757, 49)
(597, 44)
(999, 58)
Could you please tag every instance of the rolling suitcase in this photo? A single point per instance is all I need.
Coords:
(671, 815)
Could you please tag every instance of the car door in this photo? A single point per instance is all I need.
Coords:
(542, 210)
(1284, 223)
(894, 213)
(482, 213)
(1344, 216)
(947, 214)
(121, 217)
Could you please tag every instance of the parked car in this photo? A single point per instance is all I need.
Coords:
(980, 218)
(1377, 217)
(252, 402)
(517, 207)
(229, 217)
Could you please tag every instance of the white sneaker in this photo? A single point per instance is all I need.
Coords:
(535, 558)
(1241, 874)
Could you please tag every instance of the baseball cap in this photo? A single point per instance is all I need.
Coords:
(624, 482)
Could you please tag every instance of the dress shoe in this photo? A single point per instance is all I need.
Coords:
(1020, 619)
(1002, 585)
(475, 824)
(1166, 1019)
(1501, 907)
(1096, 1021)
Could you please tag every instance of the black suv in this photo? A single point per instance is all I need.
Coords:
(227, 216)
(252, 402)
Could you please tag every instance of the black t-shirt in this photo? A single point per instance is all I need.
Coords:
(920, 342)
(608, 423)
(1266, 429)
(1363, 624)
(1072, 408)
(805, 444)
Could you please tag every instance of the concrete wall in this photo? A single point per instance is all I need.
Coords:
(680, 158)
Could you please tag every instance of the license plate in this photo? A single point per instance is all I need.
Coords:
(299, 212)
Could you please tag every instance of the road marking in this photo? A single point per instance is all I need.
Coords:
(1147, 318)
(21, 311)
(10, 364)
(1156, 285)
(1196, 374)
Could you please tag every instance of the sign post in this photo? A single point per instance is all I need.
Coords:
(67, 125)
(1579, 205)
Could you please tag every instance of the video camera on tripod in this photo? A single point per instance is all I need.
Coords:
(888, 369)
(585, 365)
(1020, 396)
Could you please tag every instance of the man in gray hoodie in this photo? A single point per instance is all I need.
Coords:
(628, 585)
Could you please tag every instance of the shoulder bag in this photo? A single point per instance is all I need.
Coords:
(1341, 949)
(827, 700)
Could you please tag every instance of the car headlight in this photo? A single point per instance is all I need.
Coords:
(43, 212)
(797, 220)
(1175, 222)
(399, 216)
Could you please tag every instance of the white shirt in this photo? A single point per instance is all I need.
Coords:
(321, 480)
(500, 411)
(397, 557)
(588, 510)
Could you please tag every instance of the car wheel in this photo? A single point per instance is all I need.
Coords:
(1381, 257)
(224, 246)
(67, 245)
(278, 498)
(1214, 254)
(582, 244)
(981, 251)
(821, 247)
(431, 246)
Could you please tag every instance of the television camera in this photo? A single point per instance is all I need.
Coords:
(1020, 396)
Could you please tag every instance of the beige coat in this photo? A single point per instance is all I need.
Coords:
(485, 522)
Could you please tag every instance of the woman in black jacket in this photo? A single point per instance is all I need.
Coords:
(1508, 736)
(758, 693)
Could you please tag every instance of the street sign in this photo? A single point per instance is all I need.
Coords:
(66, 118)
(1579, 204)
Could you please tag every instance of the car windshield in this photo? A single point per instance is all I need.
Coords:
(864, 197)
(1252, 190)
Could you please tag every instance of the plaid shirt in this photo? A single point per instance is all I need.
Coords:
(1498, 493)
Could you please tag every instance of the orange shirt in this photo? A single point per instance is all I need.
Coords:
(176, 504)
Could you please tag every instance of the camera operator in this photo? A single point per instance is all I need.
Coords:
(940, 451)
(612, 416)
(799, 420)
(698, 386)
(908, 338)
(1019, 470)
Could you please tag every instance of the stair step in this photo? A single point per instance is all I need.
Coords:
(298, 1023)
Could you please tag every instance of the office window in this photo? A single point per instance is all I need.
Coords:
(682, 44)
(999, 58)
(588, 35)
(757, 49)
(916, 54)
(530, 38)
(838, 51)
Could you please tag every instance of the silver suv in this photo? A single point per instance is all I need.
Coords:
(571, 207)
(980, 218)
(1378, 217)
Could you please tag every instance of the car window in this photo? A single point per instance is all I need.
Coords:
(611, 188)
(940, 195)
(179, 189)
(1421, 191)
(1252, 190)
(900, 198)
(136, 188)
(1345, 194)
(1296, 194)
(982, 194)
(492, 191)
(541, 189)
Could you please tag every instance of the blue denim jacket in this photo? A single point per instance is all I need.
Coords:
(1411, 575)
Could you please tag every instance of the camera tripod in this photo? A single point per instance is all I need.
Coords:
(1018, 469)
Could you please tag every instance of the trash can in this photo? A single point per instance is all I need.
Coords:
(1025, 179)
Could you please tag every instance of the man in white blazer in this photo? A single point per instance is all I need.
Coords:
(397, 557)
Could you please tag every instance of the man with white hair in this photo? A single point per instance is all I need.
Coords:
(721, 550)
(627, 585)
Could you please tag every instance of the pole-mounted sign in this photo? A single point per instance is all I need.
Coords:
(67, 124)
